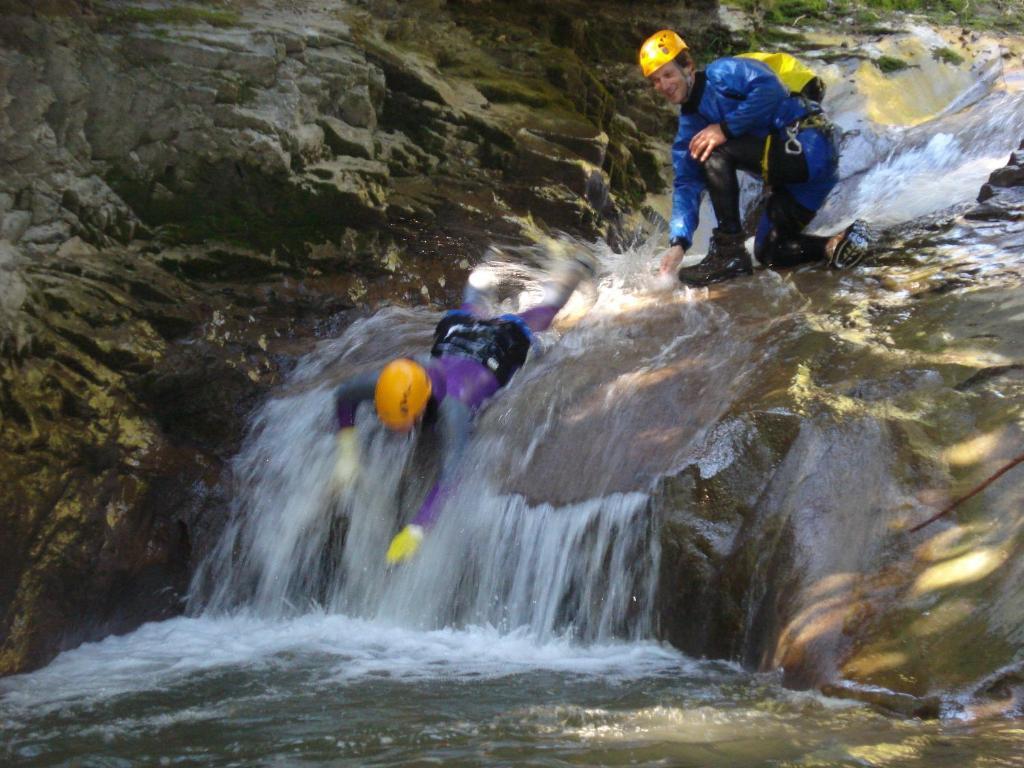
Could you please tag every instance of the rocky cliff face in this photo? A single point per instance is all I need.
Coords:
(191, 193)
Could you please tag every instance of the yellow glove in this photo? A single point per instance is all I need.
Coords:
(346, 465)
(405, 544)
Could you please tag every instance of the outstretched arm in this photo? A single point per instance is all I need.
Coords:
(350, 394)
(688, 183)
(347, 398)
(455, 419)
(558, 287)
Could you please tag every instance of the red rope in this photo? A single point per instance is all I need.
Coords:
(977, 489)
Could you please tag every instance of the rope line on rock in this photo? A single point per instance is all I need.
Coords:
(976, 490)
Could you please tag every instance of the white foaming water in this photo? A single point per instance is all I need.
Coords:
(920, 181)
(893, 175)
(544, 571)
(161, 655)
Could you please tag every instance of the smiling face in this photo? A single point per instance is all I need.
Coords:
(672, 82)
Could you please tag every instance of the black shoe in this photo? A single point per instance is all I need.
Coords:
(847, 249)
(727, 258)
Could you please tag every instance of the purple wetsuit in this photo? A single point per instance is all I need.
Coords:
(465, 370)
(459, 387)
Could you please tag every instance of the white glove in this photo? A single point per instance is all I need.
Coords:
(346, 465)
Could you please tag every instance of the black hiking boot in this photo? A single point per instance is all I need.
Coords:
(727, 258)
(847, 249)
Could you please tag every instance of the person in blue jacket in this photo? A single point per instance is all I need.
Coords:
(472, 357)
(737, 115)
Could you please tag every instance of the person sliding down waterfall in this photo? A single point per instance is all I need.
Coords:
(472, 358)
(738, 115)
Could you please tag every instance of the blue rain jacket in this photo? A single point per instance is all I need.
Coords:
(745, 97)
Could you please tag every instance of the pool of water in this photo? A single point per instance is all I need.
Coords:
(324, 689)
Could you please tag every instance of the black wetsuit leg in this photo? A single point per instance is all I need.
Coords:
(784, 245)
(742, 153)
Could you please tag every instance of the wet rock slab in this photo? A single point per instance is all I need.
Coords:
(887, 402)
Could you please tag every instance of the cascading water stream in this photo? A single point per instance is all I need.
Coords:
(917, 163)
(547, 531)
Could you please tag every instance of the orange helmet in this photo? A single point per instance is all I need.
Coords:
(658, 49)
(403, 389)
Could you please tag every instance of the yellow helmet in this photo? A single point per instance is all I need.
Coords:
(403, 389)
(658, 49)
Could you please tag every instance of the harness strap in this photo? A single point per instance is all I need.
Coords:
(501, 344)
(815, 120)
(793, 145)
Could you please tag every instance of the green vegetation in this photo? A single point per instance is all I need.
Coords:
(1001, 14)
(183, 14)
(511, 91)
(768, 13)
(948, 56)
(920, 6)
(890, 64)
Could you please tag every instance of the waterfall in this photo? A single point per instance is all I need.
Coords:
(520, 546)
